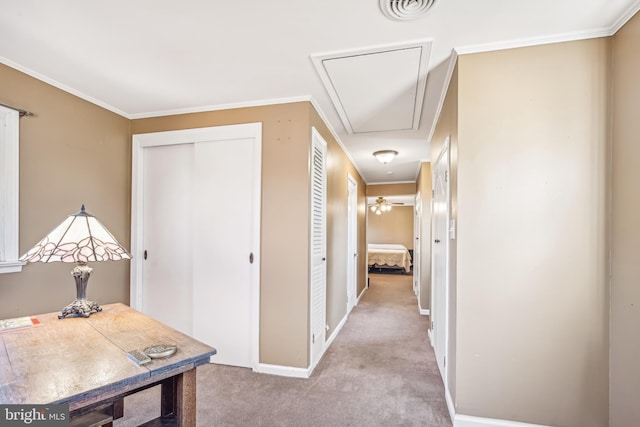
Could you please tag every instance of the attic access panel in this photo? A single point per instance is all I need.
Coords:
(377, 89)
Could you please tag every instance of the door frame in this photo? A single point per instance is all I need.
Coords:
(443, 157)
(186, 136)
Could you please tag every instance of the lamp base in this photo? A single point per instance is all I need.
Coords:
(79, 308)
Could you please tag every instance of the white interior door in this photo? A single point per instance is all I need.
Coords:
(196, 235)
(318, 283)
(417, 243)
(352, 242)
(440, 250)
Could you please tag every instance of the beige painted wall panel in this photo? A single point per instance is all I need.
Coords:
(394, 226)
(284, 278)
(625, 287)
(391, 189)
(71, 152)
(532, 292)
(284, 305)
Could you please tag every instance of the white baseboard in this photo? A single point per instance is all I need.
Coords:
(289, 371)
(360, 296)
(335, 333)
(423, 311)
(430, 334)
(467, 421)
(447, 395)
(459, 420)
(283, 371)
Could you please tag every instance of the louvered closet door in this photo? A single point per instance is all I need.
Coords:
(318, 246)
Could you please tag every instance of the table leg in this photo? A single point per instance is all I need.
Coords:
(186, 398)
(118, 408)
(168, 395)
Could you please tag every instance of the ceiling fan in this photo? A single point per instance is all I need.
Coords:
(383, 205)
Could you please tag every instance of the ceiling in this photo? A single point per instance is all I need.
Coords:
(378, 82)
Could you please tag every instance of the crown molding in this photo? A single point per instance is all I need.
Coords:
(219, 107)
(63, 87)
(453, 60)
(533, 41)
(625, 17)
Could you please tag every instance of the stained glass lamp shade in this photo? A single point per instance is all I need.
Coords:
(80, 239)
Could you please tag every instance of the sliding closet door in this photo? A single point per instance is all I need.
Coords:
(196, 235)
(168, 296)
(222, 241)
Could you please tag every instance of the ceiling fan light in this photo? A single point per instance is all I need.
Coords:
(385, 156)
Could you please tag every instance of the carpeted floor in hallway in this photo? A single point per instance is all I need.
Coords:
(379, 371)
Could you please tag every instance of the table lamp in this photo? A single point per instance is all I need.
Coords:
(80, 238)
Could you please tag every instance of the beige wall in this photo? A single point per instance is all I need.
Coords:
(532, 294)
(394, 226)
(284, 290)
(284, 278)
(338, 168)
(374, 190)
(71, 152)
(625, 231)
(423, 186)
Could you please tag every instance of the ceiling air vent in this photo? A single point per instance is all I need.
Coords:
(405, 10)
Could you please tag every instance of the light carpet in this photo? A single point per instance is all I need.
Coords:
(379, 371)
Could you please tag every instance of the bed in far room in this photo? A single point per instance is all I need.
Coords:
(388, 256)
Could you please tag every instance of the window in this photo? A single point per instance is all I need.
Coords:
(9, 189)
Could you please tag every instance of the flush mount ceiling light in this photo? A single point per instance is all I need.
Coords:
(385, 156)
(405, 10)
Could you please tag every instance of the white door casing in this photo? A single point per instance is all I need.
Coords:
(352, 242)
(440, 265)
(201, 234)
(318, 280)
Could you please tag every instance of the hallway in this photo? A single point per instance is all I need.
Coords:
(379, 371)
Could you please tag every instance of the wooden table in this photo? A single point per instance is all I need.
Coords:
(83, 362)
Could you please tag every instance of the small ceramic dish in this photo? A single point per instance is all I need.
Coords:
(159, 351)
